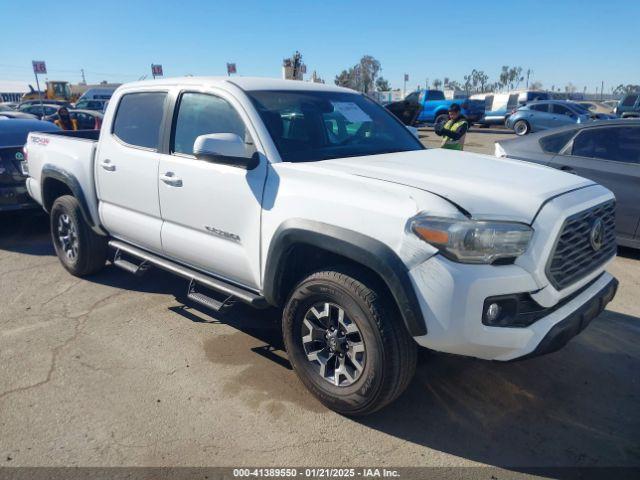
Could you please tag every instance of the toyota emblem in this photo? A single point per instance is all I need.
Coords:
(596, 236)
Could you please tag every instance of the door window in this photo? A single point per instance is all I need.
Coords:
(138, 119)
(540, 107)
(202, 114)
(561, 110)
(629, 101)
(610, 143)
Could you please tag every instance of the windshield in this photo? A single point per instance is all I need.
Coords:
(313, 125)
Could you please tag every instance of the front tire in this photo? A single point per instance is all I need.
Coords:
(347, 343)
(521, 127)
(80, 250)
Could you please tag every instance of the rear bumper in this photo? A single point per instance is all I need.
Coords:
(15, 197)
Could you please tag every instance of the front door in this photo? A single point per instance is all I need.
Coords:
(211, 212)
(127, 170)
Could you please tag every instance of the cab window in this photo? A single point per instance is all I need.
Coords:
(201, 114)
(138, 119)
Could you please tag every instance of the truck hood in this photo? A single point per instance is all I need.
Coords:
(486, 187)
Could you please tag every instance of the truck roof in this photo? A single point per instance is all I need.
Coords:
(244, 83)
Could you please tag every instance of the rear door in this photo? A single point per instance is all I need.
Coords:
(127, 169)
(611, 157)
(211, 211)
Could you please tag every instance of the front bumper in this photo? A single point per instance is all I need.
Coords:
(452, 296)
(572, 325)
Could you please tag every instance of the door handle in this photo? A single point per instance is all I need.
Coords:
(108, 166)
(170, 179)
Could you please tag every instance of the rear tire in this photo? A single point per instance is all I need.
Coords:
(371, 359)
(441, 119)
(80, 250)
(521, 127)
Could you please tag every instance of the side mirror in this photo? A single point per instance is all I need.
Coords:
(226, 149)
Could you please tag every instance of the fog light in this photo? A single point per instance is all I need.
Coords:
(492, 312)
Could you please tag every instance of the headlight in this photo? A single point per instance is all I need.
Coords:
(499, 151)
(470, 241)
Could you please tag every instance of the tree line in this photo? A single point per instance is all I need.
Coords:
(365, 77)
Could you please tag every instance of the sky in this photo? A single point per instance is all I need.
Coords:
(580, 41)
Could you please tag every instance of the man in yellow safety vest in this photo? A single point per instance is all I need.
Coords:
(454, 130)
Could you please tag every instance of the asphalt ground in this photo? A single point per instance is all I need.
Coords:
(118, 370)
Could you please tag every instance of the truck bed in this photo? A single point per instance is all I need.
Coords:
(68, 154)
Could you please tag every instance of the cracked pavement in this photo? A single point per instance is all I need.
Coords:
(117, 370)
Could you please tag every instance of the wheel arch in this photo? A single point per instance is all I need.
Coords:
(56, 182)
(340, 243)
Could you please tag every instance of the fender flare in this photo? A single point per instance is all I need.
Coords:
(52, 172)
(355, 246)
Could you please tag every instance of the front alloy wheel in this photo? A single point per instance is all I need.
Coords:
(346, 340)
(333, 344)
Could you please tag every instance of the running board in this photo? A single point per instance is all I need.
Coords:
(228, 289)
(137, 269)
(208, 301)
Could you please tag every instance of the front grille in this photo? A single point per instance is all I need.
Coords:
(573, 256)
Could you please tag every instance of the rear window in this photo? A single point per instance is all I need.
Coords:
(138, 119)
(629, 101)
(435, 95)
(555, 143)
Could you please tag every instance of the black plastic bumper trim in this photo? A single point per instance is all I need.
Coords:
(575, 322)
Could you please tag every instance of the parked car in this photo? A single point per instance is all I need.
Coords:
(498, 106)
(87, 119)
(16, 114)
(13, 136)
(28, 103)
(98, 93)
(406, 110)
(97, 105)
(629, 106)
(598, 108)
(547, 114)
(8, 106)
(611, 104)
(607, 152)
(37, 109)
(315, 199)
(434, 107)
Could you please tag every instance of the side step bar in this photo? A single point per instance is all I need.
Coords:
(246, 296)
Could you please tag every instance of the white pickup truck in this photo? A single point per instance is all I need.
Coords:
(316, 200)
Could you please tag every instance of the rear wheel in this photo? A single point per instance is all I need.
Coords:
(441, 119)
(347, 343)
(521, 127)
(80, 250)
